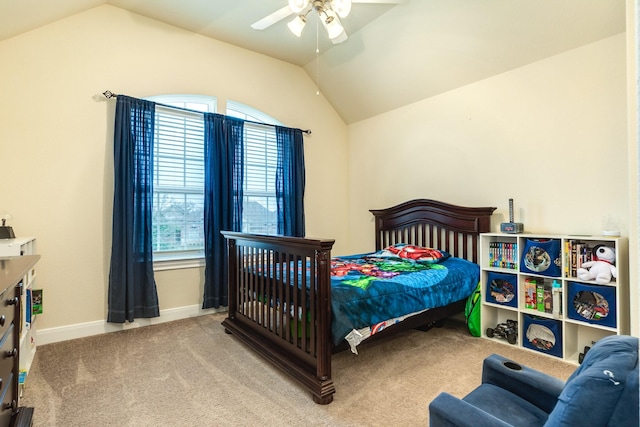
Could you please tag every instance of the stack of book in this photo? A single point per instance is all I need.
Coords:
(576, 253)
(503, 255)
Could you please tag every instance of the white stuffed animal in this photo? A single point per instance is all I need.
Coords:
(602, 268)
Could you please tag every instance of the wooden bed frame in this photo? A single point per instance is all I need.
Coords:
(265, 294)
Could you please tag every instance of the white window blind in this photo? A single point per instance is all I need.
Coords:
(259, 203)
(178, 192)
(178, 205)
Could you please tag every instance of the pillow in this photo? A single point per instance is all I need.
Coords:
(414, 253)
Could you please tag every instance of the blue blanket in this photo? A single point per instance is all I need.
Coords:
(369, 288)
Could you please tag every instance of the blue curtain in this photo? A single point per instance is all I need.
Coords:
(132, 287)
(290, 181)
(224, 172)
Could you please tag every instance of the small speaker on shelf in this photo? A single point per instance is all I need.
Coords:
(6, 232)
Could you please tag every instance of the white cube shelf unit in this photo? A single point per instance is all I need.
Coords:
(18, 247)
(518, 274)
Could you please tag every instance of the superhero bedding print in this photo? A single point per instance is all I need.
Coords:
(368, 289)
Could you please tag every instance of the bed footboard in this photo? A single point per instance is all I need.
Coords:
(280, 304)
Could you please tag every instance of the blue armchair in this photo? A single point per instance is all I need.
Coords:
(603, 391)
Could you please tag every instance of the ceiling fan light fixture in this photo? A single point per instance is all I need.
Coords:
(298, 6)
(332, 25)
(297, 25)
(341, 7)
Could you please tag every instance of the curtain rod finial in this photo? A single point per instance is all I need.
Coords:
(108, 94)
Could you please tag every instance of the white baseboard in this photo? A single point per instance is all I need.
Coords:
(80, 330)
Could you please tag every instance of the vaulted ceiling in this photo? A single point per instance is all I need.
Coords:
(396, 54)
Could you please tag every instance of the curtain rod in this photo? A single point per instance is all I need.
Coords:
(108, 94)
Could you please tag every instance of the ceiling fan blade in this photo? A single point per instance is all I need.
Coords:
(269, 20)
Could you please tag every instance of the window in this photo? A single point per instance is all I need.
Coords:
(178, 193)
(259, 202)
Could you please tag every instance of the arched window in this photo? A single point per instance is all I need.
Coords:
(178, 204)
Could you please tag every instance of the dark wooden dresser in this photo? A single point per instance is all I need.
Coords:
(12, 272)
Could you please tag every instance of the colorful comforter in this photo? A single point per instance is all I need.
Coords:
(369, 289)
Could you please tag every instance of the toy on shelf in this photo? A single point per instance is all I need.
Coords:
(584, 352)
(511, 227)
(602, 268)
(508, 330)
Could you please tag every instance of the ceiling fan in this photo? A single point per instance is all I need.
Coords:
(329, 13)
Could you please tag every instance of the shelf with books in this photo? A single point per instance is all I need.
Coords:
(502, 253)
(536, 280)
(21, 246)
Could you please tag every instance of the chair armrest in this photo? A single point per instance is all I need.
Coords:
(449, 411)
(536, 387)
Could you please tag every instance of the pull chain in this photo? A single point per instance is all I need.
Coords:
(318, 56)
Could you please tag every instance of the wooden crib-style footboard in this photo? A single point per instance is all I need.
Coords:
(280, 304)
(284, 314)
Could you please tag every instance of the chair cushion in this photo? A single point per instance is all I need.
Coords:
(596, 387)
(506, 406)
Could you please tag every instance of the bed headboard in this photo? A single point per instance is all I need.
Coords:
(430, 223)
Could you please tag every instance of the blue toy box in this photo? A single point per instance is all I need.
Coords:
(592, 304)
(502, 288)
(541, 256)
(543, 335)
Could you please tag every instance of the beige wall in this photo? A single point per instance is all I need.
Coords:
(56, 141)
(551, 135)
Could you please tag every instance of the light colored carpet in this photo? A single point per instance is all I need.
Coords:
(190, 373)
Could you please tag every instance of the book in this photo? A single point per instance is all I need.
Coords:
(27, 308)
(567, 258)
(530, 293)
(540, 296)
(548, 298)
